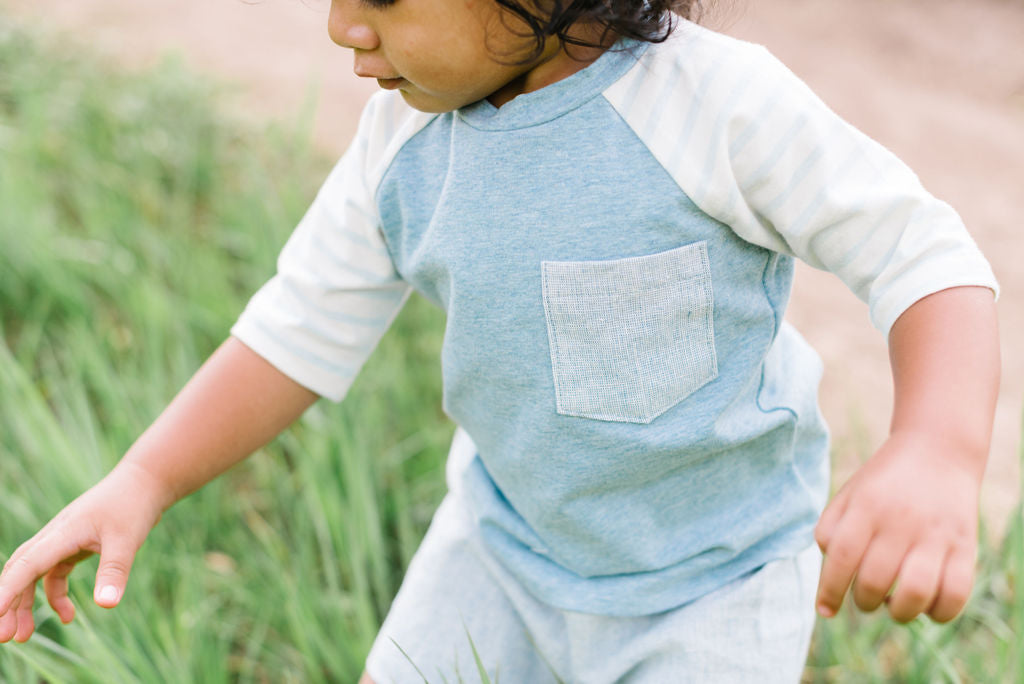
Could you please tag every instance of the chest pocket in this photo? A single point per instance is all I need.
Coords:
(630, 338)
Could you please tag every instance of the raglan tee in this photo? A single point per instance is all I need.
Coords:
(614, 253)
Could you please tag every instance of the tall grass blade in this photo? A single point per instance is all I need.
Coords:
(414, 666)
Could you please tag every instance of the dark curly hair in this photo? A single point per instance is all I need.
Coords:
(650, 21)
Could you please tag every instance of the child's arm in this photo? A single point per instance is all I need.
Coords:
(233, 405)
(910, 513)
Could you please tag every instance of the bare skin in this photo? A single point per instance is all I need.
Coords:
(911, 512)
(397, 45)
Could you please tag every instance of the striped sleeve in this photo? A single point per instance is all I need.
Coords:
(336, 290)
(756, 149)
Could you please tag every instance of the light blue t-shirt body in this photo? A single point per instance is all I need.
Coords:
(681, 446)
(614, 253)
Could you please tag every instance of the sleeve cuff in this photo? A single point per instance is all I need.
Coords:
(891, 305)
(327, 379)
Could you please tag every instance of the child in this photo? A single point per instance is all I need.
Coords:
(609, 221)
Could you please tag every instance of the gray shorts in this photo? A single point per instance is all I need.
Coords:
(754, 629)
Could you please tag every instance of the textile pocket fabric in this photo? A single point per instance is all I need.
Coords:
(630, 338)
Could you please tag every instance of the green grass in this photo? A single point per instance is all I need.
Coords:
(135, 221)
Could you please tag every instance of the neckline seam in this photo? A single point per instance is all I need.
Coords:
(533, 124)
(618, 61)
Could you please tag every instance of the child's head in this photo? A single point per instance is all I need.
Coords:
(444, 54)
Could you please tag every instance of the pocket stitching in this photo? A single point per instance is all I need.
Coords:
(552, 340)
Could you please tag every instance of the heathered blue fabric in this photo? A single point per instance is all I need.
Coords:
(608, 515)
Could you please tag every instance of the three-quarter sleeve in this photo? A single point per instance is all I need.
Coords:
(336, 290)
(805, 181)
(756, 149)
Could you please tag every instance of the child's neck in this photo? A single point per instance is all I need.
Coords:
(553, 65)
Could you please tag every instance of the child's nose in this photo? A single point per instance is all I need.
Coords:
(346, 28)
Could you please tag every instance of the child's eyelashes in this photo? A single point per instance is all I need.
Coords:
(377, 4)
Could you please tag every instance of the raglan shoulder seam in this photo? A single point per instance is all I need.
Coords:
(756, 149)
(681, 100)
(389, 124)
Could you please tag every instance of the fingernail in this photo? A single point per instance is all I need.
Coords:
(108, 593)
(825, 611)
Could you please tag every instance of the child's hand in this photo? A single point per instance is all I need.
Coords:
(908, 516)
(111, 519)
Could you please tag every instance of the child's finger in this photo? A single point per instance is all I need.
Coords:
(918, 582)
(55, 584)
(26, 623)
(9, 591)
(877, 572)
(18, 571)
(116, 559)
(9, 621)
(31, 561)
(955, 587)
(830, 517)
(846, 548)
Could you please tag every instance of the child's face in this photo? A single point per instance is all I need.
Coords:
(441, 54)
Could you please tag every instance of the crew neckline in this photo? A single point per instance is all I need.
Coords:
(558, 98)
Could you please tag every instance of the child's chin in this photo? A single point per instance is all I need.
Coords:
(426, 103)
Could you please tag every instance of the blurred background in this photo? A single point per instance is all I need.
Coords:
(265, 103)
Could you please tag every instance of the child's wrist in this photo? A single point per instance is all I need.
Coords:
(158, 492)
(948, 447)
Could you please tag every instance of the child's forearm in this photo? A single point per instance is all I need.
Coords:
(234, 404)
(944, 352)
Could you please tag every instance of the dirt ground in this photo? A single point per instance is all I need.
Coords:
(939, 82)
